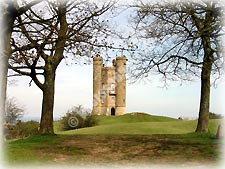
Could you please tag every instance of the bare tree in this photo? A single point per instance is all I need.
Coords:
(184, 41)
(53, 31)
(14, 110)
(10, 10)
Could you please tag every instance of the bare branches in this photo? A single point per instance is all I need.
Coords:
(41, 39)
(14, 110)
(28, 6)
(180, 35)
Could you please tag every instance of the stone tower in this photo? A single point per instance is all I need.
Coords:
(109, 87)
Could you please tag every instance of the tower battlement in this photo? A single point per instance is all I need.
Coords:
(109, 87)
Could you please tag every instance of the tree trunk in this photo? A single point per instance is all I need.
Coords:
(3, 83)
(203, 119)
(5, 52)
(46, 124)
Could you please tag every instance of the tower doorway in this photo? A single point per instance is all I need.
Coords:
(113, 111)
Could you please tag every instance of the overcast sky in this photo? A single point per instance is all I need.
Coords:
(74, 86)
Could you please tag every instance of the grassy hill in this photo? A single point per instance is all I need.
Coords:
(136, 138)
(131, 118)
(138, 123)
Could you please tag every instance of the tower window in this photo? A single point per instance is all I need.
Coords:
(113, 99)
(102, 93)
(113, 86)
(102, 100)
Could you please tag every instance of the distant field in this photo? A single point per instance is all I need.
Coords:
(129, 139)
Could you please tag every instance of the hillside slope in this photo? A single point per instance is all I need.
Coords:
(132, 118)
(139, 124)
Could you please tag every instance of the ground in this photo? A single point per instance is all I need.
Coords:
(135, 145)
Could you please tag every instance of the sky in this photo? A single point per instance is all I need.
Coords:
(74, 86)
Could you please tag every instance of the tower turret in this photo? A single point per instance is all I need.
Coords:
(120, 65)
(97, 84)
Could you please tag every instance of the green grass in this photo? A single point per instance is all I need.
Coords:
(142, 128)
(132, 118)
(138, 123)
(134, 137)
(83, 149)
(38, 148)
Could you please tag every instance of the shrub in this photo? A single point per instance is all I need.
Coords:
(77, 117)
(21, 129)
(215, 116)
(90, 120)
(72, 121)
